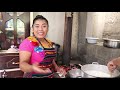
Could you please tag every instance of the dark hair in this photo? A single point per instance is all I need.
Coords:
(41, 18)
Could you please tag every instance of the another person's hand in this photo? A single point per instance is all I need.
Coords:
(37, 69)
(111, 66)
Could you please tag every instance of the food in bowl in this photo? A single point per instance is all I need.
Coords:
(98, 73)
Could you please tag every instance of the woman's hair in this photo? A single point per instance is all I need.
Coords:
(39, 17)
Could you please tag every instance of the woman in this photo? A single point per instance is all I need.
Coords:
(37, 55)
(113, 64)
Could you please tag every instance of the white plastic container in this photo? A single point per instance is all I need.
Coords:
(92, 40)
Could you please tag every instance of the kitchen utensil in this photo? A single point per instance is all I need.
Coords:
(111, 43)
(96, 70)
(92, 40)
(75, 73)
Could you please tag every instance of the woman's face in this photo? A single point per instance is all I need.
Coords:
(40, 28)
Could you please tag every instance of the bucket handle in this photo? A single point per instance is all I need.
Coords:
(95, 63)
(80, 65)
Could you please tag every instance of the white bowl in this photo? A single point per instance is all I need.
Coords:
(92, 40)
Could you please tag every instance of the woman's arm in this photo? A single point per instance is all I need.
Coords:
(59, 69)
(24, 57)
(55, 65)
(26, 67)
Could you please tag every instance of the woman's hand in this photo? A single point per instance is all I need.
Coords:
(111, 66)
(61, 71)
(37, 69)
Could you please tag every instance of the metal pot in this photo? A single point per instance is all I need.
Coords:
(75, 73)
(92, 40)
(96, 70)
(112, 43)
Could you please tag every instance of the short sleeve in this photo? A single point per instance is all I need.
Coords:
(26, 46)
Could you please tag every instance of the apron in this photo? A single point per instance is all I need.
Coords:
(50, 55)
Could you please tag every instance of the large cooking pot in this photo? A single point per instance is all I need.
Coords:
(112, 43)
(96, 70)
